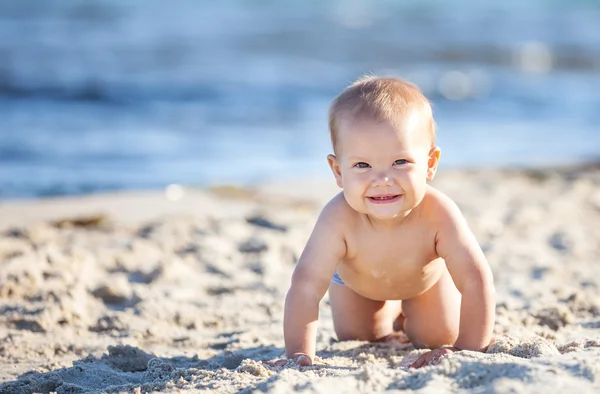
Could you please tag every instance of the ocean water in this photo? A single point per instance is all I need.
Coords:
(109, 95)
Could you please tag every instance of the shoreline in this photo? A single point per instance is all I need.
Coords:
(130, 206)
(322, 178)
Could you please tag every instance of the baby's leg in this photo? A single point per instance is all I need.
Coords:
(432, 318)
(357, 317)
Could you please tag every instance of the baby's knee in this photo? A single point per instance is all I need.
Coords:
(431, 337)
(366, 333)
(433, 342)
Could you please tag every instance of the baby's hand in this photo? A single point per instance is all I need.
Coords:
(432, 357)
(299, 359)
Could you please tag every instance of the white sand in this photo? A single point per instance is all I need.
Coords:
(149, 295)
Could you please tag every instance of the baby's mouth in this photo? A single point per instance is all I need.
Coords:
(384, 199)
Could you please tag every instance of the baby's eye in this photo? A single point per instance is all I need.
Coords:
(400, 162)
(362, 164)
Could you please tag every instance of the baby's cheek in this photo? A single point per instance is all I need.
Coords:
(348, 196)
(353, 199)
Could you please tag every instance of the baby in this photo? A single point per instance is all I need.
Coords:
(395, 253)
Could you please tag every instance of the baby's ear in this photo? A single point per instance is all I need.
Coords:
(432, 163)
(335, 168)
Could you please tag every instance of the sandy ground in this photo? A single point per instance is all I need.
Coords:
(135, 293)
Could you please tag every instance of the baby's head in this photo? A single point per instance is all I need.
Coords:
(381, 99)
(383, 137)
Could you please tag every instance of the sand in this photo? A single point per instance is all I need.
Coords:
(132, 292)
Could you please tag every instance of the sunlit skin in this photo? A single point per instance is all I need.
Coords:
(403, 249)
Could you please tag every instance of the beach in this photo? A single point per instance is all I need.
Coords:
(144, 291)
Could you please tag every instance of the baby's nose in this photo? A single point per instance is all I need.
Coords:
(382, 180)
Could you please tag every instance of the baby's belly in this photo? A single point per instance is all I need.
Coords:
(397, 283)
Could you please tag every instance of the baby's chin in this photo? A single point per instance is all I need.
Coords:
(382, 214)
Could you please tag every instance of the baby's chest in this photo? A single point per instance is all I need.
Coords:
(409, 251)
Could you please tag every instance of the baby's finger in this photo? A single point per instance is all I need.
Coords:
(418, 363)
(280, 363)
(303, 361)
(439, 356)
(276, 363)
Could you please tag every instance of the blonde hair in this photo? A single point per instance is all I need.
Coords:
(382, 99)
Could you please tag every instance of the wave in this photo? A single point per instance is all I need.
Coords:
(103, 92)
(534, 57)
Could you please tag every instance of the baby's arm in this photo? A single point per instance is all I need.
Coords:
(317, 264)
(471, 274)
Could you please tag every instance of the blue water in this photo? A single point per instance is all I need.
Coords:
(108, 95)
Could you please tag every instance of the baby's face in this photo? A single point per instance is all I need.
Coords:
(382, 168)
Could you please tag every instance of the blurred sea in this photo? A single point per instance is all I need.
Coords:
(112, 94)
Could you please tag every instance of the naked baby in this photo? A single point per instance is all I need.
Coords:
(394, 253)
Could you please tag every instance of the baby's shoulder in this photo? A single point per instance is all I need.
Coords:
(438, 206)
(337, 207)
(337, 211)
